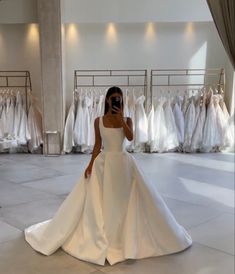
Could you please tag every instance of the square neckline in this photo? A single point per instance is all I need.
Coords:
(102, 119)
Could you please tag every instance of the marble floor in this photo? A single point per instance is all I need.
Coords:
(198, 188)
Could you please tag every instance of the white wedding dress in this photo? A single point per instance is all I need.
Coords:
(115, 214)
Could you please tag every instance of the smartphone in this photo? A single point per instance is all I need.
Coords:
(116, 101)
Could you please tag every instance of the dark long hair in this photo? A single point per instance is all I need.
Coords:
(111, 91)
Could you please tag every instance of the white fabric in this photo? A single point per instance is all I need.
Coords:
(179, 122)
(141, 122)
(221, 140)
(230, 131)
(189, 125)
(171, 141)
(23, 129)
(17, 117)
(160, 127)
(2, 118)
(197, 138)
(86, 142)
(68, 130)
(151, 126)
(10, 109)
(93, 111)
(79, 124)
(34, 127)
(210, 128)
(130, 145)
(116, 214)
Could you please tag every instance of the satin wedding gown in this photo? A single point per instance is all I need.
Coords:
(115, 214)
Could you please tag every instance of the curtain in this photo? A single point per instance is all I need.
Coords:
(223, 13)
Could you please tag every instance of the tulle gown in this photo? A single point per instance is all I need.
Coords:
(115, 214)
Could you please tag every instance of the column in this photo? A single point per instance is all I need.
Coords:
(49, 17)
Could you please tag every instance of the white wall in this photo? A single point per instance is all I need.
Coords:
(18, 11)
(91, 11)
(123, 11)
(19, 50)
(140, 46)
(135, 46)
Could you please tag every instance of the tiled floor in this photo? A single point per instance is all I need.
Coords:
(199, 190)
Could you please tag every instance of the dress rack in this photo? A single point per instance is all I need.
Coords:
(190, 78)
(16, 79)
(108, 78)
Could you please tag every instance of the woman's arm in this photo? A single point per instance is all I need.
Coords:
(128, 128)
(96, 149)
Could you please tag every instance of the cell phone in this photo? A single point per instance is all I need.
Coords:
(116, 102)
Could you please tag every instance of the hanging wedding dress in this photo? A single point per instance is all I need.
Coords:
(68, 130)
(229, 127)
(115, 214)
(126, 103)
(10, 109)
(85, 143)
(151, 126)
(34, 126)
(197, 138)
(210, 127)
(141, 124)
(185, 104)
(100, 106)
(2, 117)
(189, 125)
(179, 120)
(171, 141)
(159, 127)
(79, 123)
(130, 145)
(222, 140)
(93, 110)
(17, 114)
(23, 130)
(230, 130)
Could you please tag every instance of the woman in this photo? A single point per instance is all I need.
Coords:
(113, 211)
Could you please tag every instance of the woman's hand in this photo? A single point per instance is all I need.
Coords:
(119, 113)
(87, 172)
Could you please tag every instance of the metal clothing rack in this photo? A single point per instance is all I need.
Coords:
(111, 77)
(190, 78)
(16, 79)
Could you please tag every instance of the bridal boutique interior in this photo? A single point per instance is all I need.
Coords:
(57, 60)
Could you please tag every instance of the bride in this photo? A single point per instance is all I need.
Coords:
(113, 212)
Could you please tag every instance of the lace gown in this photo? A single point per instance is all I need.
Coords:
(115, 214)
